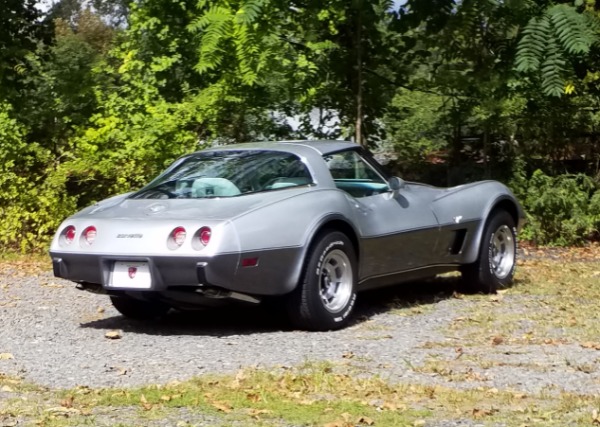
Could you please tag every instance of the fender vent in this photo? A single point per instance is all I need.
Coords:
(459, 240)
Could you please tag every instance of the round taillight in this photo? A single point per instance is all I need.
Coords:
(69, 234)
(178, 235)
(89, 234)
(204, 235)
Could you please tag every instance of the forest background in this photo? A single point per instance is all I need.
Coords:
(98, 96)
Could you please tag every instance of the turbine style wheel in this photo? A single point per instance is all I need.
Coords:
(495, 266)
(325, 296)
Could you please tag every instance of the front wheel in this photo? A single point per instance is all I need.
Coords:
(325, 296)
(138, 309)
(495, 266)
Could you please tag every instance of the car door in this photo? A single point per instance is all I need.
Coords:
(399, 229)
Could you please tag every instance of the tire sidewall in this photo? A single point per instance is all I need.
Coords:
(487, 274)
(312, 281)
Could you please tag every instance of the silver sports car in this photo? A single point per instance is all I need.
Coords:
(308, 223)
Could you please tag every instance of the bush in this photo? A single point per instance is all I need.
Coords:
(32, 200)
(561, 210)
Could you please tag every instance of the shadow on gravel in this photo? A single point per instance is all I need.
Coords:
(249, 319)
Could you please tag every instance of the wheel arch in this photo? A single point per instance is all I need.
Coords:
(337, 224)
(502, 203)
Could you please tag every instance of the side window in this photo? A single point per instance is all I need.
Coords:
(354, 175)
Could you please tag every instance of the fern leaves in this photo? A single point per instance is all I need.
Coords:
(226, 29)
(550, 40)
(215, 25)
(533, 44)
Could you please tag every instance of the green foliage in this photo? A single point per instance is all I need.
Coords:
(549, 42)
(31, 206)
(561, 210)
(416, 127)
(233, 27)
(19, 32)
(98, 109)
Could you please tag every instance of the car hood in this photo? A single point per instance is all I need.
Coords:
(222, 208)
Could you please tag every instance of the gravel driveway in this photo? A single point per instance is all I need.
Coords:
(56, 335)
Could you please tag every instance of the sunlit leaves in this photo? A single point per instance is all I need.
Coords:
(550, 39)
(221, 26)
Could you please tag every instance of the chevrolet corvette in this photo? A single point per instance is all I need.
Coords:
(306, 223)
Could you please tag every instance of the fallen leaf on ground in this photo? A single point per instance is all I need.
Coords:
(222, 406)
(497, 340)
(589, 344)
(113, 335)
(68, 402)
(365, 420)
(147, 406)
(60, 410)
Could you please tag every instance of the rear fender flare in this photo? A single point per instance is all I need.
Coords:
(312, 234)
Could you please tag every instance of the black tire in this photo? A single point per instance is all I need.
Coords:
(495, 265)
(138, 309)
(319, 303)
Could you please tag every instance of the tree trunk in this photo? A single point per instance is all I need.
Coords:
(359, 89)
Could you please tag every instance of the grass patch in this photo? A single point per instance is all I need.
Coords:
(551, 303)
(319, 394)
(18, 264)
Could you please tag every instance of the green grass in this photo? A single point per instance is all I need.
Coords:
(320, 394)
(551, 303)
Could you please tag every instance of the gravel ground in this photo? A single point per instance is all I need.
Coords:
(56, 335)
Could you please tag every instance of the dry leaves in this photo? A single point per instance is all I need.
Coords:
(481, 413)
(114, 335)
(221, 406)
(497, 340)
(591, 345)
(6, 356)
(145, 404)
(350, 421)
(68, 402)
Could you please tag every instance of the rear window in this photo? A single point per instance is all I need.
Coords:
(228, 174)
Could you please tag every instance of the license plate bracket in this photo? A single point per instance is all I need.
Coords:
(130, 275)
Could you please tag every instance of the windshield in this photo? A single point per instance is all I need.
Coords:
(227, 174)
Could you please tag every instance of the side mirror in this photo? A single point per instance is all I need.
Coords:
(396, 183)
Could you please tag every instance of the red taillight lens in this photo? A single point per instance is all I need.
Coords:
(69, 234)
(204, 235)
(178, 235)
(89, 234)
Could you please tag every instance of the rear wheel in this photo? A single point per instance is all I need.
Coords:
(138, 309)
(325, 296)
(495, 266)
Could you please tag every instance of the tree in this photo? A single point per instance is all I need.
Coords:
(20, 31)
(334, 54)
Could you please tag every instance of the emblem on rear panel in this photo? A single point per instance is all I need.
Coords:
(132, 271)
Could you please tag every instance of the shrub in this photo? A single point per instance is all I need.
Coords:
(33, 199)
(561, 210)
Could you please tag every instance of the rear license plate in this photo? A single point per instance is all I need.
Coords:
(131, 275)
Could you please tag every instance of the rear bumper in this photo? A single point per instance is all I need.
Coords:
(277, 271)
